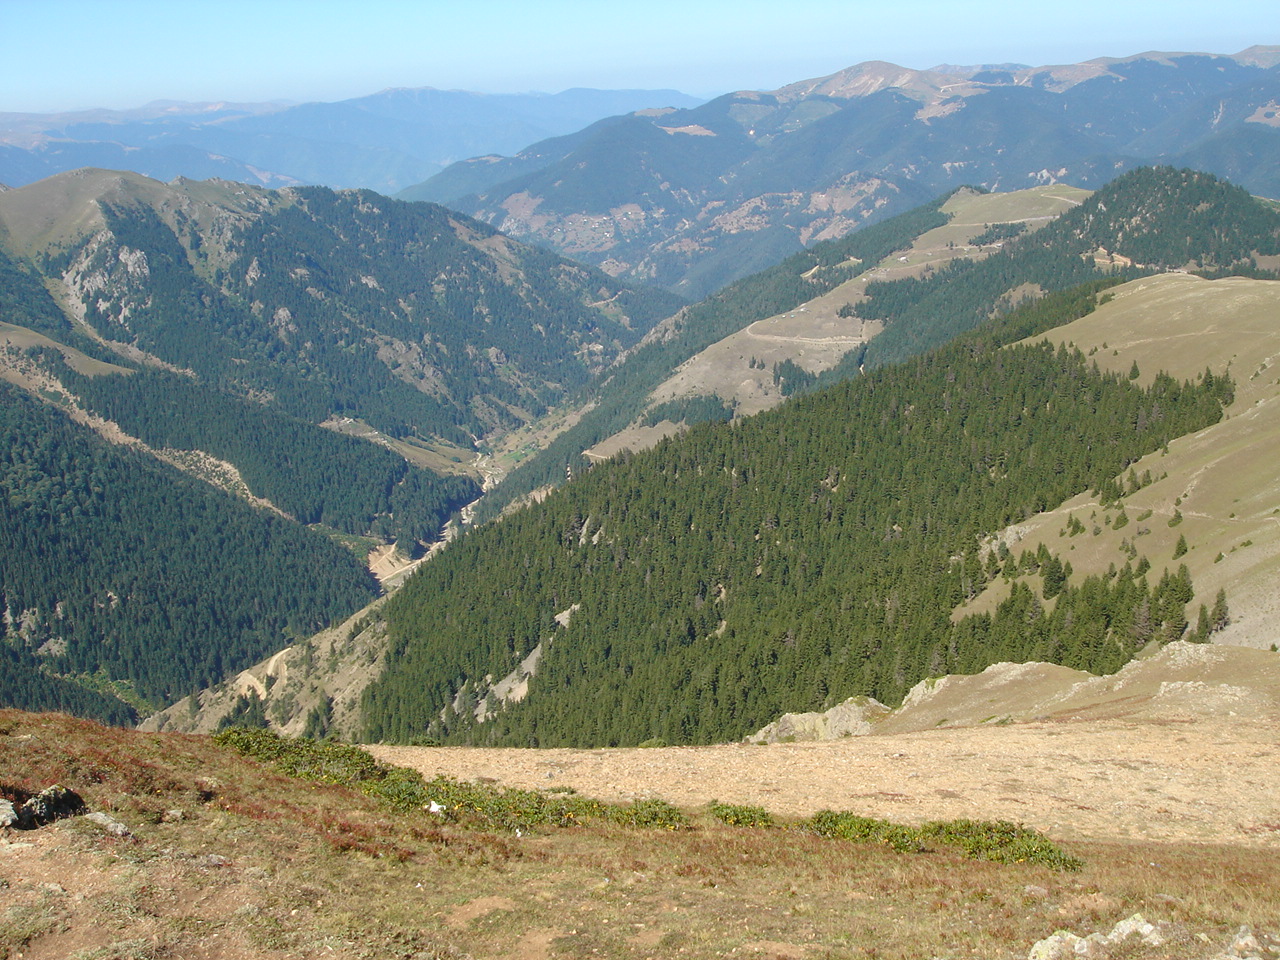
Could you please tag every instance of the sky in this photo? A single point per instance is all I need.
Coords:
(61, 55)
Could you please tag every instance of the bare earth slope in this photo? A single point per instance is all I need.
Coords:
(1183, 747)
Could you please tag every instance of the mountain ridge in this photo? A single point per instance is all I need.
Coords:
(770, 171)
(383, 141)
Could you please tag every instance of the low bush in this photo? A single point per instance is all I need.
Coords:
(998, 841)
(1002, 842)
(738, 815)
(649, 813)
(851, 826)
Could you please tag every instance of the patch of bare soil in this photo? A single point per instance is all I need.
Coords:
(1202, 780)
(1181, 746)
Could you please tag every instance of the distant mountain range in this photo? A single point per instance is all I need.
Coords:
(692, 199)
(384, 142)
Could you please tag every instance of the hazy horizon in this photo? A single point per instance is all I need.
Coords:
(75, 55)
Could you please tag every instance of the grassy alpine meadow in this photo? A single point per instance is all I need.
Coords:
(248, 845)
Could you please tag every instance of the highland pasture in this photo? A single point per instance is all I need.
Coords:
(1220, 482)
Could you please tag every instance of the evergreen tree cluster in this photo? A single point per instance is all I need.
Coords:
(789, 560)
(1168, 219)
(26, 683)
(620, 397)
(697, 408)
(1096, 625)
(312, 474)
(998, 233)
(114, 563)
(324, 303)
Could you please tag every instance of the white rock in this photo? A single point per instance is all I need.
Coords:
(1136, 924)
(1064, 945)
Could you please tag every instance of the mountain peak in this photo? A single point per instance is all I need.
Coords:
(862, 80)
(1259, 56)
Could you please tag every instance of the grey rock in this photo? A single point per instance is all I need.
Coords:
(854, 717)
(1245, 945)
(8, 815)
(1139, 925)
(109, 824)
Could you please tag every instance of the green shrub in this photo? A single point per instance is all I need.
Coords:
(1002, 842)
(326, 761)
(851, 826)
(998, 841)
(649, 813)
(738, 815)
(488, 807)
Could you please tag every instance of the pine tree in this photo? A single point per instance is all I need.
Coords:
(1220, 617)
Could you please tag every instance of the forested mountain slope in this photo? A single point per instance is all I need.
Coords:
(216, 327)
(786, 562)
(693, 199)
(1148, 220)
(120, 568)
(407, 316)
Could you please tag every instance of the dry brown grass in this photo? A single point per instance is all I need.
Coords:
(260, 865)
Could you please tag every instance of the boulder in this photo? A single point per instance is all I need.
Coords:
(50, 804)
(853, 718)
(110, 824)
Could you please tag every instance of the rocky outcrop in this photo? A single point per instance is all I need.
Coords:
(853, 718)
(1180, 681)
(1135, 931)
(50, 804)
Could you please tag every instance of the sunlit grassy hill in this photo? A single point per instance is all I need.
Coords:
(1217, 489)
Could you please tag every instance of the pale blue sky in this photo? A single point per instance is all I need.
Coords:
(73, 54)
